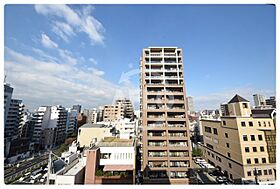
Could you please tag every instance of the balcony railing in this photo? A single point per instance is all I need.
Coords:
(156, 125)
(176, 125)
(157, 155)
(178, 155)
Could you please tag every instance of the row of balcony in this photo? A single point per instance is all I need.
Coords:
(163, 125)
(165, 164)
(171, 154)
(163, 134)
(173, 144)
(162, 54)
(163, 70)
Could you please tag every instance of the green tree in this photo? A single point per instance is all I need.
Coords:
(196, 152)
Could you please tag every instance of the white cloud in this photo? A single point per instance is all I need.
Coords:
(75, 21)
(47, 42)
(92, 60)
(63, 30)
(40, 82)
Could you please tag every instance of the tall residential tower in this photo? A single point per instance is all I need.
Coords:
(164, 139)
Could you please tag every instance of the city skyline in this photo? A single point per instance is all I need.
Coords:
(77, 54)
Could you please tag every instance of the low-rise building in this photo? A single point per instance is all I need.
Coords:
(69, 169)
(89, 134)
(242, 143)
(111, 161)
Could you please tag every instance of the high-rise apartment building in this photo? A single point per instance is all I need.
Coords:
(127, 106)
(190, 104)
(271, 101)
(165, 139)
(13, 114)
(242, 143)
(50, 126)
(77, 107)
(259, 100)
(113, 112)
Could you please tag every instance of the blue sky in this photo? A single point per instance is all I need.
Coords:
(68, 54)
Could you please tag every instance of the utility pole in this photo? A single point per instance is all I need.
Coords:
(49, 167)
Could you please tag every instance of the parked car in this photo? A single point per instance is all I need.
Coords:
(221, 179)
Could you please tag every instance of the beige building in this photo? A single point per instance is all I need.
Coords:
(92, 133)
(165, 139)
(113, 112)
(241, 144)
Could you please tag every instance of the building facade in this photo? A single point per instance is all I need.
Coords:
(165, 139)
(259, 100)
(242, 143)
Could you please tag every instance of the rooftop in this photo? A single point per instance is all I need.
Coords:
(90, 125)
(115, 142)
(75, 169)
(237, 98)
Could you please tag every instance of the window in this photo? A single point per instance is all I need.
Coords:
(243, 124)
(208, 129)
(245, 138)
(248, 161)
(263, 160)
(262, 149)
(213, 155)
(224, 122)
(244, 105)
(228, 154)
(215, 131)
(227, 145)
(229, 165)
(230, 176)
(253, 138)
(208, 153)
(269, 171)
(226, 135)
(260, 137)
(264, 123)
(259, 123)
(269, 124)
(247, 149)
(251, 124)
(265, 172)
(256, 160)
(249, 173)
(259, 172)
(254, 149)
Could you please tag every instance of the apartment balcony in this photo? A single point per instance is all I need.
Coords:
(156, 100)
(155, 84)
(174, 70)
(176, 109)
(176, 164)
(154, 70)
(170, 54)
(176, 126)
(178, 155)
(157, 136)
(157, 166)
(157, 146)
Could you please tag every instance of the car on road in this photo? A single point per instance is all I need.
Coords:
(221, 179)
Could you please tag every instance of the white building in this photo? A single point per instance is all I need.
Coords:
(13, 114)
(259, 100)
(125, 127)
(69, 169)
(50, 126)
